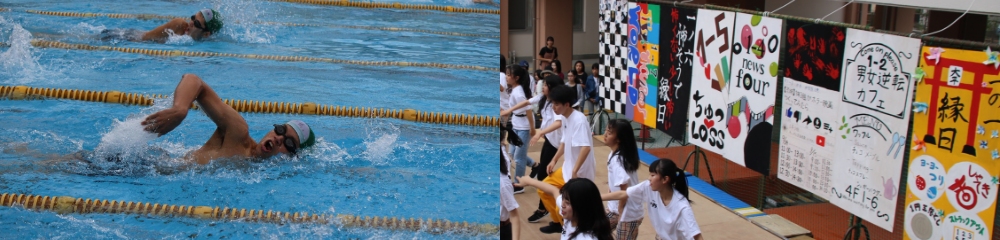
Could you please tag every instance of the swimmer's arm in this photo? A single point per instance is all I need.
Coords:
(190, 89)
(178, 25)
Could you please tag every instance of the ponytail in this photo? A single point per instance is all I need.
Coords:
(667, 168)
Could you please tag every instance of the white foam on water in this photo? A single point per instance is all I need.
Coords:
(380, 142)
(174, 39)
(20, 60)
(240, 19)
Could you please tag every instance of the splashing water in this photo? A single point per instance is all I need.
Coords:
(125, 148)
(240, 19)
(174, 39)
(380, 143)
(19, 62)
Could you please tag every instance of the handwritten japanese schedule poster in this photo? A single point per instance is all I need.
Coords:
(643, 59)
(811, 99)
(676, 60)
(707, 110)
(876, 90)
(952, 180)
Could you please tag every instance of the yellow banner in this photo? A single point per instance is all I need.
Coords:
(953, 173)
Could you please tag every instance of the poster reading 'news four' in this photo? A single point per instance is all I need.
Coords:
(733, 85)
(855, 130)
(951, 190)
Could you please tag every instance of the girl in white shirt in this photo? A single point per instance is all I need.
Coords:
(523, 121)
(623, 161)
(508, 205)
(580, 206)
(666, 196)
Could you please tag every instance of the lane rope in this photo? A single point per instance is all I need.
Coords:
(251, 106)
(178, 53)
(67, 205)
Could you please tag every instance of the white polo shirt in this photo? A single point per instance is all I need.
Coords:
(674, 220)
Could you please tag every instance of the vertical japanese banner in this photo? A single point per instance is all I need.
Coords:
(676, 61)
(643, 62)
(811, 99)
(706, 113)
(753, 81)
(952, 180)
(876, 91)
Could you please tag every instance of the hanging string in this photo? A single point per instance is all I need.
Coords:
(779, 8)
(838, 9)
(952, 22)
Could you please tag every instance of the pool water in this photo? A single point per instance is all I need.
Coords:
(366, 167)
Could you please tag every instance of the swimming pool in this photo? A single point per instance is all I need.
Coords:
(367, 167)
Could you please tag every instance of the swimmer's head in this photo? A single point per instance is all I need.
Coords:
(289, 138)
(204, 23)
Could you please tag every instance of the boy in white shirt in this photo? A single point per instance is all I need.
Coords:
(576, 148)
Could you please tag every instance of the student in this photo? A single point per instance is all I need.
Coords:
(552, 133)
(576, 149)
(523, 121)
(557, 68)
(548, 53)
(573, 82)
(203, 24)
(590, 89)
(578, 202)
(666, 194)
(504, 92)
(508, 205)
(506, 133)
(579, 70)
(623, 161)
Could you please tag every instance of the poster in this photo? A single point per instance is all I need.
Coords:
(643, 62)
(676, 62)
(875, 93)
(810, 123)
(751, 90)
(952, 180)
(734, 87)
(706, 112)
(613, 48)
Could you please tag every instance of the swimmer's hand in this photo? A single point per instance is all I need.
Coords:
(164, 121)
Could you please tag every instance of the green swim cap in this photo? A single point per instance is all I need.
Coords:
(213, 21)
(303, 129)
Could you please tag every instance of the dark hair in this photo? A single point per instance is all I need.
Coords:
(503, 63)
(595, 66)
(667, 168)
(627, 149)
(509, 134)
(552, 81)
(582, 75)
(522, 79)
(588, 208)
(558, 65)
(562, 94)
(550, 39)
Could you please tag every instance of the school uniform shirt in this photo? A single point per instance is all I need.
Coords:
(673, 221)
(519, 123)
(576, 135)
(616, 177)
(504, 96)
(507, 201)
(568, 227)
(548, 118)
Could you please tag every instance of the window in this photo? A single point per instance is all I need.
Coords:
(520, 15)
(578, 15)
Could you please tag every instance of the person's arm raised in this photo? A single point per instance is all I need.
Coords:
(190, 89)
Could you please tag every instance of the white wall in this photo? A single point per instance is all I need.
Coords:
(522, 45)
(585, 42)
(989, 7)
(810, 8)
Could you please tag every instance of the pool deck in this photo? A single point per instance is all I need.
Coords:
(716, 220)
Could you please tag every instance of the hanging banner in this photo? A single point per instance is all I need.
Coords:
(953, 173)
(613, 50)
(713, 50)
(676, 61)
(810, 124)
(876, 90)
(643, 62)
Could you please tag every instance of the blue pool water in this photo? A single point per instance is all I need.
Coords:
(368, 167)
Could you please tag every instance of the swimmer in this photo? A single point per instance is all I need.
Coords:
(231, 137)
(202, 25)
